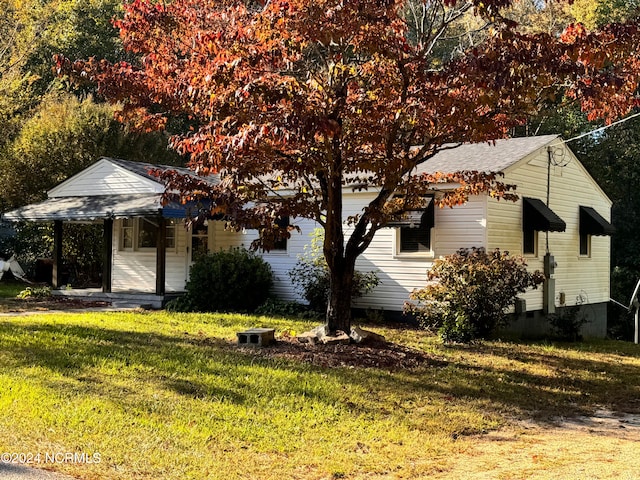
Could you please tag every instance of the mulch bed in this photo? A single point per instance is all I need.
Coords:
(386, 356)
(18, 305)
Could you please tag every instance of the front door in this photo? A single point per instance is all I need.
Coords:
(198, 244)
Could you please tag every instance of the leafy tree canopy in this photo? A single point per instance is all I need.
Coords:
(62, 137)
(596, 13)
(291, 101)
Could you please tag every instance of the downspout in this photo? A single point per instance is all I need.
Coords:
(549, 286)
(549, 153)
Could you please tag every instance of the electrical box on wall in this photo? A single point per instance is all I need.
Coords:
(549, 265)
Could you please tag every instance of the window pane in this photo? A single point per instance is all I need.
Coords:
(415, 239)
(529, 241)
(199, 241)
(126, 240)
(281, 244)
(148, 233)
(127, 237)
(584, 244)
(170, 240)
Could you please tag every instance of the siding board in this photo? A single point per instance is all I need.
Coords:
(570, 186)
(105, 178)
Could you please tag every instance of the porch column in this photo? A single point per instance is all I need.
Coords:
(161, 257)
(107, 254)
(56, 279)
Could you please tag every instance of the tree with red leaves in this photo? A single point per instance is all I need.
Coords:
(294, 102)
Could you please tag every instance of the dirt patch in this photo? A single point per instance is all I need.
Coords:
(388, 356)
(18, 305)
(603, 446)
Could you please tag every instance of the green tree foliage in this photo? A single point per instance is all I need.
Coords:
(46, 135)
(64, 136)
(596, 13)
(47, 27)
(469, 293)
(61, 138)
(16, 93)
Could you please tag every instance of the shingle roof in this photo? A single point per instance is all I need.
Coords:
(103, 206)
(485, 157)
(142, 169)
(88, 208)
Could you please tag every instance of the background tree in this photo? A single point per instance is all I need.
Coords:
(47, 135)
(294, 101)
(62, 137)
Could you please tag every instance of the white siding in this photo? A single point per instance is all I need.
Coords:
(586, 279)
(463, 226)
(482, 222)
(176, 267)
(455, 228)
(135, 270)
(105, 178)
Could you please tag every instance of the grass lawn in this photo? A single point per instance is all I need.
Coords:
(166, 396)
(10, 288)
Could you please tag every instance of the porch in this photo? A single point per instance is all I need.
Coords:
(128, 299)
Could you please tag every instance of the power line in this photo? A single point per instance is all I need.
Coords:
(601, 129)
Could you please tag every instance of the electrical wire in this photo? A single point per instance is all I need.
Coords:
(599, 129)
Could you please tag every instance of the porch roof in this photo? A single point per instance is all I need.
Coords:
(89, 208)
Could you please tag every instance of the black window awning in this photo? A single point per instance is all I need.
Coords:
(424, 218)
(538, 217)
(592, 223)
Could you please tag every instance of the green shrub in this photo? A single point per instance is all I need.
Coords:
(226, 281)
(35, 292)
(275, 307)
(567, 323)
(311, 278)
(470, 293)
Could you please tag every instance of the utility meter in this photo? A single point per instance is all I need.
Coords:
(549, 265)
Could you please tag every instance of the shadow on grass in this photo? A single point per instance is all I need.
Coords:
(565, 387)
(196, 366)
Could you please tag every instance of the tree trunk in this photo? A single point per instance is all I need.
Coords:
(339, 305)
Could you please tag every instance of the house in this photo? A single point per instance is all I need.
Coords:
(560, 224)
(561, 211)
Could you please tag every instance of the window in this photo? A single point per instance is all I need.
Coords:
(537, 217)
(170, 238)
(592, 223)
(529, 246)
(199, 241)
(148, 232)
(280, 245)
(126, 234)
(585, 244)
(142, 233)
(415, 240)
(414, 232)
